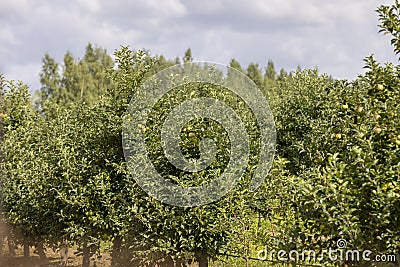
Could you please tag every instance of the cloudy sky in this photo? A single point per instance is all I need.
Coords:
(333, 35)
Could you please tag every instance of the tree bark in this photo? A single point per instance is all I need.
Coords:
(1, 245)
(40, 250)
(180, 263)
(116, 251)
(168, 262)
(86, 256)
(11, 246)
(203, 261)
(26, 248)
(64, 252)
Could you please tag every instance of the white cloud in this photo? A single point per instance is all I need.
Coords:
(91, 6)
(335, 36)
(28, 73)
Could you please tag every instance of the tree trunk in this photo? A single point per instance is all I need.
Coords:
(1, 245)
(64, 252)
(116, 251)
(26, 248)
(203, 261)
(168, 262)
(86, 256)
(40, 250)
(179, 263)
(11, 246)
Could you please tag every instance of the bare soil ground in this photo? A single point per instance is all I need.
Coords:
(53, 259)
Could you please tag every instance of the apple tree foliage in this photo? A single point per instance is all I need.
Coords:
(342, 145)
